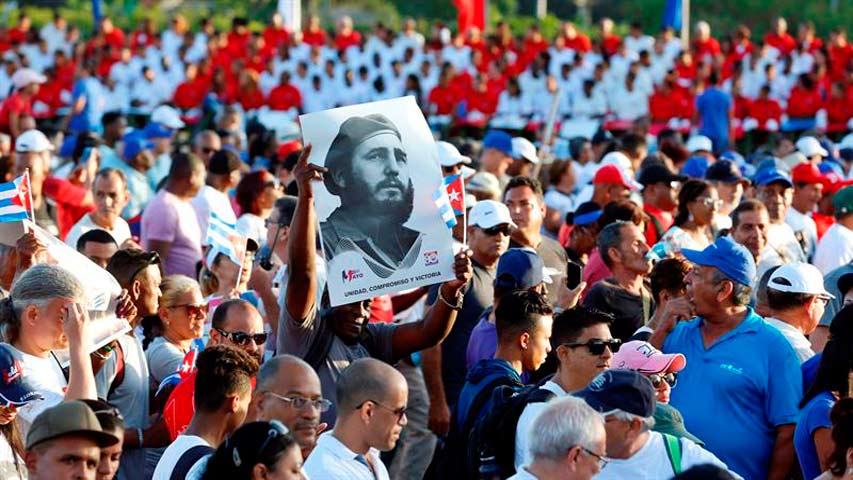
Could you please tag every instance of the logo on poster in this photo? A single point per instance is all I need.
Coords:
(350, 275)
(430, 257)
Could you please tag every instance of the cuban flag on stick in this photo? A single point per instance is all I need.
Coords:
(223, 238)
(16, 201)
(450, 200)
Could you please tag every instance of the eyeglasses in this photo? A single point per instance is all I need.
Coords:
(711, 203)
(597, 346)
(493, 231)
(671, 378)
(398, 412)
(321, 404)
(602, 460)
(193, 309)
(243, 338)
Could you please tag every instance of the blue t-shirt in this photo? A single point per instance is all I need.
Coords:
(734, 394)
(714, 106)
(813, 416)
(89, 119)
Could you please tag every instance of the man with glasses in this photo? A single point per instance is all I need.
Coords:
(205, 144)
(626, 399)
(288, 390)
(569, 444)
(489, 227)
(236, 322)
(584, 347)
(625, 294)
(797, 299)
(740, 388)
(372, 399)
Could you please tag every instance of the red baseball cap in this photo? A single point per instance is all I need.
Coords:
(807, 173)
(612, 175)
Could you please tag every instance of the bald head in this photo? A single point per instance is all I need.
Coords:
(366, 379)
(287, 373)
(233, 321)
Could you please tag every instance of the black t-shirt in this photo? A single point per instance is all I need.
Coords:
(479, 294)
(555, 258)
(627, 309)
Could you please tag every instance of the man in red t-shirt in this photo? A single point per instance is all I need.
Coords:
(779, 38)
(285, 96)
(660, 198)
(314, 35)
(26, 84)
(276, 35)
(346, 36)
(443, 97)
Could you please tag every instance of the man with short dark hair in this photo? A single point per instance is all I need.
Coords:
(774, 189)
(624, 295)
(223, 390)
(372, 399)
(581, 339)
(660, 197)
(288, 390)
(750, 224)
(64, 442)
(797, 299)
(524, 197)
(727, 347)
(98, 246)
(109, 191)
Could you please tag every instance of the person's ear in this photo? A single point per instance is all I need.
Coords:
(339, 177)
(562, 353)
(215, 336)
(727, 287)
(524, 340)
(31, 458)
(31, 314)
(233, 403)
(574, 455)
(665, 296)
(135, 289)
(615, 254)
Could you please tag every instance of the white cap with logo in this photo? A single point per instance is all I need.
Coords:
(799, 277)
(489, 213)
(32, 141)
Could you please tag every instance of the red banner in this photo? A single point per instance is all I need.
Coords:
(470, 13)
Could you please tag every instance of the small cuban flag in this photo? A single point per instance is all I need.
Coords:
(442, 202)
(223, 238)
(15, 203)
(455, 186)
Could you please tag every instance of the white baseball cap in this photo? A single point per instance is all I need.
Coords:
(26, 76)
(798, 277)
(810, 147)
(699, 143)
(449, 156)
(846, 142)
(523, 149)
(489, 213)
(32, 141)
(168, 117)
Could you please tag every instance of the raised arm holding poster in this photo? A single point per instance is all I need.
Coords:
(379, 224)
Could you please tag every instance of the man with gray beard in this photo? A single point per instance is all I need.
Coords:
(368, 170)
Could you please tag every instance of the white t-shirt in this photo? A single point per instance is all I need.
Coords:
(12, 466)
(652, 463)
(173, 453)
(525, 422)
(798, 341)
(835, 249)
(46, 377)
(120, 230)
(803, 224)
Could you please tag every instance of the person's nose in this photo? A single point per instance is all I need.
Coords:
(391, 167)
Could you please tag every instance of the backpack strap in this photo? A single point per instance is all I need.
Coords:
(188, 460)
(119, 378)
(480, 400)
(673, 451)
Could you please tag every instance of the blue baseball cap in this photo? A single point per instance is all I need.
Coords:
(725, 171)
(766, 176)
(733, 259)
(520, 269)
(133, 145)
(624, 390)
(14, 387)
(499, 140)
(157, 130)
(695, 167)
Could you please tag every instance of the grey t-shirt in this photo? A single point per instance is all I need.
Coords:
(296, 339)
(164, 358)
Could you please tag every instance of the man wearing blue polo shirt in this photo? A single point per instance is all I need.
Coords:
(740, 389)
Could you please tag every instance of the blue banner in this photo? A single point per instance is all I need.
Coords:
(672, 14)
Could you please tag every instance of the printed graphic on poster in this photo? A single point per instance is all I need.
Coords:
(380, 225)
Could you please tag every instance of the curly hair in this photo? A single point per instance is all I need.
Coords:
(223, 371)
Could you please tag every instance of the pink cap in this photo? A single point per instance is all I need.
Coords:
(644, 358)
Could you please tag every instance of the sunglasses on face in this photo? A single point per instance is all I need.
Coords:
(597, 346)
(243, 338)
(399, 413)
(194, 309)
(493, 231)
(657, 379)
(273, 184)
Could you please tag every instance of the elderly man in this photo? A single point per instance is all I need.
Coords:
(110, 193)
(625, 295)
(567, 422)
(368, 170)
(750, 224)
(739, 362)
(774, 189)
(627, 401)
(372, 398)
(288, 390)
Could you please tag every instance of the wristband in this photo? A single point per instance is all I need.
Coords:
(457, 306)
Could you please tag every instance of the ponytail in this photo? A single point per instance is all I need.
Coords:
(10, 324)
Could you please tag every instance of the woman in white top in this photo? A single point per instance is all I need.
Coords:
(45, 312)
(697, 204)
(256, 196)
(183, 312)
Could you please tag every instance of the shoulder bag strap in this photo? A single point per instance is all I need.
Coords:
(673, 451)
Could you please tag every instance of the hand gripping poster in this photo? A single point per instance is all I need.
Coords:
(382, 204)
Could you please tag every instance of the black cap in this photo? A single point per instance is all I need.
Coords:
(658, 173)
(845, 283)
(724, 171)
(586, 213)
(223, 162)
(624, 390)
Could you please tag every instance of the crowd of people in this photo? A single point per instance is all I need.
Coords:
(660, 289)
